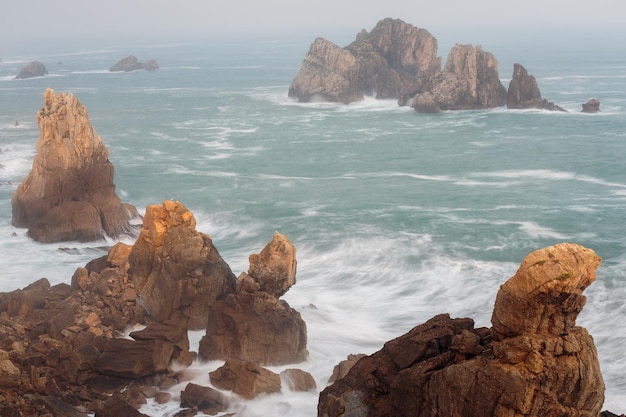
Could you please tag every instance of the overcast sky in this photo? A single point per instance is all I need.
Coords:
(33, 19)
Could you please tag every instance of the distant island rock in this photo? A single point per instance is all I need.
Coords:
(69, 194)
(394, 60)
(592, 106)
(469, 80)
(131, 63)
(34, 69)
(523, 92)
(399, 61)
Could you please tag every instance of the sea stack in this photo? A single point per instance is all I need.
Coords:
(534, 361)
(69, 195)
(592, 106)
(34, 69)
(523, 92)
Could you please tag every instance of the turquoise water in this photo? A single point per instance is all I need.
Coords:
(396, 216)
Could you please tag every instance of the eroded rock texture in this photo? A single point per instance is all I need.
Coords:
(535, 361)
(392, 61)
(175, 268)
(469, 80)
(523, 92)
(69, 193)
(252, 324)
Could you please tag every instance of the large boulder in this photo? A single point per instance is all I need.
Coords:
(252, 324)
(392, 61)
(535, 361)
(469, 80)
(245, 379)
(591, 106)
(69, 193)
(175, 268)
(34, 69)
(523, 92)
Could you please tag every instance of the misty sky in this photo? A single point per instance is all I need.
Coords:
(33, 19)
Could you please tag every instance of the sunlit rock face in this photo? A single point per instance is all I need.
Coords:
(69, 193)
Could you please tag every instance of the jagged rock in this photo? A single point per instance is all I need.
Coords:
(117, 406)
(252, 324)
(328, 73)
(469, 80)
(134, 359)
(245, 379)
(69, 193)
(535, 361)
(175, 268)
(591, 106)
(342, 368)
(298, 380)
(523, 92)
(392, 61)
(130, 63)
(205, 399)
(34, 69)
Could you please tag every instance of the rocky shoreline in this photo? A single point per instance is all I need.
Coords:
(117, 334)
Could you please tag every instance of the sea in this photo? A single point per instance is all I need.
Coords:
(395, 216)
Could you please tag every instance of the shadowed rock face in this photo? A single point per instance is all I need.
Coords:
(69, 193)
(131, 63)
(523, 92)
(535, 361)
(469, 80)
(34, 69)
(591, 106)
(392, 61)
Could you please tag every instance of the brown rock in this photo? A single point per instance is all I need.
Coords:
(117, 406)
(175, 268)
(392, 61)
(205, 399)
(591, 106)
(69, 193)
(134, 359)
(539, 363)
(469, 80)
(245, 379)
(274, 269)
(523, 92)
(130, 63)
(34, 69)
(298, 380)
(342, 368)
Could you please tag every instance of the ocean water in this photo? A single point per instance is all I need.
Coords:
(396, 216)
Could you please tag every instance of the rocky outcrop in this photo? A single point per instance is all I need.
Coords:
(534, 361)
(60, 347)
(469, 80)
(175, 268)
(69, 193)
(252, 324)
(591, 106)
(131, 63)
(523, 92)
(34, 69)
(392, 61)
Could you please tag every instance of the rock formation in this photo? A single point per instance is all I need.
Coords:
(130, 63)
(34, 69)
(534, 361)
(523, 92)
(175, 268)
(392, 61)
(69, 193)
(60, 347)
(252, 324)
(591, 106)
(469, 80)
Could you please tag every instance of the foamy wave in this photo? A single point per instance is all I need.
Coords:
(546, 174)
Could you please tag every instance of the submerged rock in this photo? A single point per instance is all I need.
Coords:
(69, 195)
(534, 361)
(34, 69)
